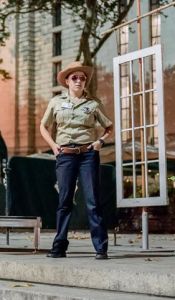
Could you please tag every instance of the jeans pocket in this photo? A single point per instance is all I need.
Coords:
(58, 155)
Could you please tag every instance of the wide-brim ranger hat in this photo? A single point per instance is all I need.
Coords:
(74, 67)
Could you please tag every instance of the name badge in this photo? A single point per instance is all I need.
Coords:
(67, 105)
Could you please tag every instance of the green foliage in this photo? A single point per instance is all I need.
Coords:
(171, 178)
(3, 73)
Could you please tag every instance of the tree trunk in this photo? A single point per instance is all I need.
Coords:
(122, 15)
(84, 47)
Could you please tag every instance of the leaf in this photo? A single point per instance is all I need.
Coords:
(148, 259)
(22, 285)
(130, 241)
(172, 178)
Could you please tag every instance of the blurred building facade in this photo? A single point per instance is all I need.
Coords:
(41, 44)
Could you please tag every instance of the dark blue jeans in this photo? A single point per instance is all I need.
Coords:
(68, 168)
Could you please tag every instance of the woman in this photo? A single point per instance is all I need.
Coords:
(77, 154)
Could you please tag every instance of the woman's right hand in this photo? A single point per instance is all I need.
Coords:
(46, 135)
(56, 149)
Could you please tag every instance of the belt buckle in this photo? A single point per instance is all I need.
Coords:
(77, 148)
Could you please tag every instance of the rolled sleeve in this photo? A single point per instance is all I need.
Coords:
(102, 117)
(48, 116)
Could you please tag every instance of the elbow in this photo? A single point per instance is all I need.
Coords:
(109, 129)
(41, 127)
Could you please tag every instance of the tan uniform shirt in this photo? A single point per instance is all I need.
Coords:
(75, 118)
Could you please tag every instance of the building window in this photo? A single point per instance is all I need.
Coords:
(56, 69)
(57, 43)
(57, 15)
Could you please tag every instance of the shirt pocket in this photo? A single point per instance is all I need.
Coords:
(59, 115)
(87, 116)
(63, 115)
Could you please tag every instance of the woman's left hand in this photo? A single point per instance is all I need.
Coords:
(95, 145)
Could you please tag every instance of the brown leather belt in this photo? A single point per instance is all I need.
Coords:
(75, 150)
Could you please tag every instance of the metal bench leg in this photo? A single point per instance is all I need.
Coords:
(37, 234)
(116, 229)
(7, 236)
(36, 237)
(115, 239)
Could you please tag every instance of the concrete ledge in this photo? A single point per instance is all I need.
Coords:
(22, 290)
(137, 275)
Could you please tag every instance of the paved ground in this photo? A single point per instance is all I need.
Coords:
(80, 276)
(128, 242)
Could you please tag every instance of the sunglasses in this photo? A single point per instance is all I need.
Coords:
(80, 77)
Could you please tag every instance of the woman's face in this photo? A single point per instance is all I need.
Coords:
(76, 81)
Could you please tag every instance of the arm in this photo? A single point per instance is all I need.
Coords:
(97, 144)
(105, 122)
(108, 131)
(47, 137)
